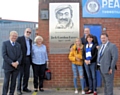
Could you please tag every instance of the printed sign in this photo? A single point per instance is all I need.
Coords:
(101, 8)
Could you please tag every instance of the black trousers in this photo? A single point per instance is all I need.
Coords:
(38, 73)
(23, 75)
(9, 77)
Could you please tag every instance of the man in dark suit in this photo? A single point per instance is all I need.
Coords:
(107, 59)
(83, 39)
(12, 55)
(26, 44)
(86, 32)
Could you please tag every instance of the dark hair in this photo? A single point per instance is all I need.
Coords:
(89, 36)
(104, 34)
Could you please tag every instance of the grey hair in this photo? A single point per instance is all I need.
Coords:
(13, 32)
(38, 37)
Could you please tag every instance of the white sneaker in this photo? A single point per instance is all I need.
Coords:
(83, 92)
(76, 91)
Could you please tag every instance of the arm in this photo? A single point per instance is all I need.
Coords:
(71, 45)
(5, 55)
(20, 57)
(95, 53)
(83, 40)
(71, 56)
(79, 56)
(95, 40)
(83, 53)
(46, 56)
(114, 56)
(18, 40)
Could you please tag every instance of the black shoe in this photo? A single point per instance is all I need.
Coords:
(35, 90)
(41, 90)
(27, 90)
(86, 89)
(19, 93)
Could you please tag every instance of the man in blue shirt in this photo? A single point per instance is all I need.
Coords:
(26, 45)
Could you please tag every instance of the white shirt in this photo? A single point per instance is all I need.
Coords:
(104, 47)
(12, 43)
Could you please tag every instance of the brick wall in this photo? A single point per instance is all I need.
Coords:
(59, 65)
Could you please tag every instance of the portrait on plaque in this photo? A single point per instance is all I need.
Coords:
(63, 14)
(64, 26)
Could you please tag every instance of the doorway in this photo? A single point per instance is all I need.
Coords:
(95, 30)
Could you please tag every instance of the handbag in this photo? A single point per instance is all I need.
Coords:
(47, 74)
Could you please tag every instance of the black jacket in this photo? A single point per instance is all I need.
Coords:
(93, 53)
(22, 42)
(11, 54)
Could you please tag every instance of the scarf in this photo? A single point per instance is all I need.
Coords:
(88, 51)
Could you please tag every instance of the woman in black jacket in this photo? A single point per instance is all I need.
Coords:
(90, 57)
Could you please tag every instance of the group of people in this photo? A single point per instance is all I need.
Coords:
(18, 54)
(86, 56)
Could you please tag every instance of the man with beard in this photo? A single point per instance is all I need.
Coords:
(64, 17)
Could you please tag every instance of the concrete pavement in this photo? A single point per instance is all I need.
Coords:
(59, 91)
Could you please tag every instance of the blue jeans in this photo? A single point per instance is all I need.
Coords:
(78, 68)
(91, 73)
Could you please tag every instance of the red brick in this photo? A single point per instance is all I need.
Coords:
(60, 66)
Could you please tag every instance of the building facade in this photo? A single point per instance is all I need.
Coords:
(59, 64)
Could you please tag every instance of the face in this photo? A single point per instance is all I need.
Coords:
(27, 32)
(64, 16)
(39, 41)
(86, 31)
(78, 42)
(89, 39)
(104, 39)
(13, 37)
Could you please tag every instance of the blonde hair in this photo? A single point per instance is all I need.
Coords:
(77, 39)
(81, 46)
(13, 32)
(38, 37)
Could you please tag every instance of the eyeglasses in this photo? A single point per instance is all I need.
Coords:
(29, 32)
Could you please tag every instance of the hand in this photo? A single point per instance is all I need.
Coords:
(86, 62)
(110, 71)
(97, 47)
(77, 58)
(71, 49)
(47, 64)
(15, 64)
(98, 67)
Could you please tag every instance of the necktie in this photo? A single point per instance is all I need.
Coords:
(13, 43)
(101, 52)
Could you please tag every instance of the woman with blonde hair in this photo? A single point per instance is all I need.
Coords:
(39, 59)
(75, 56)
